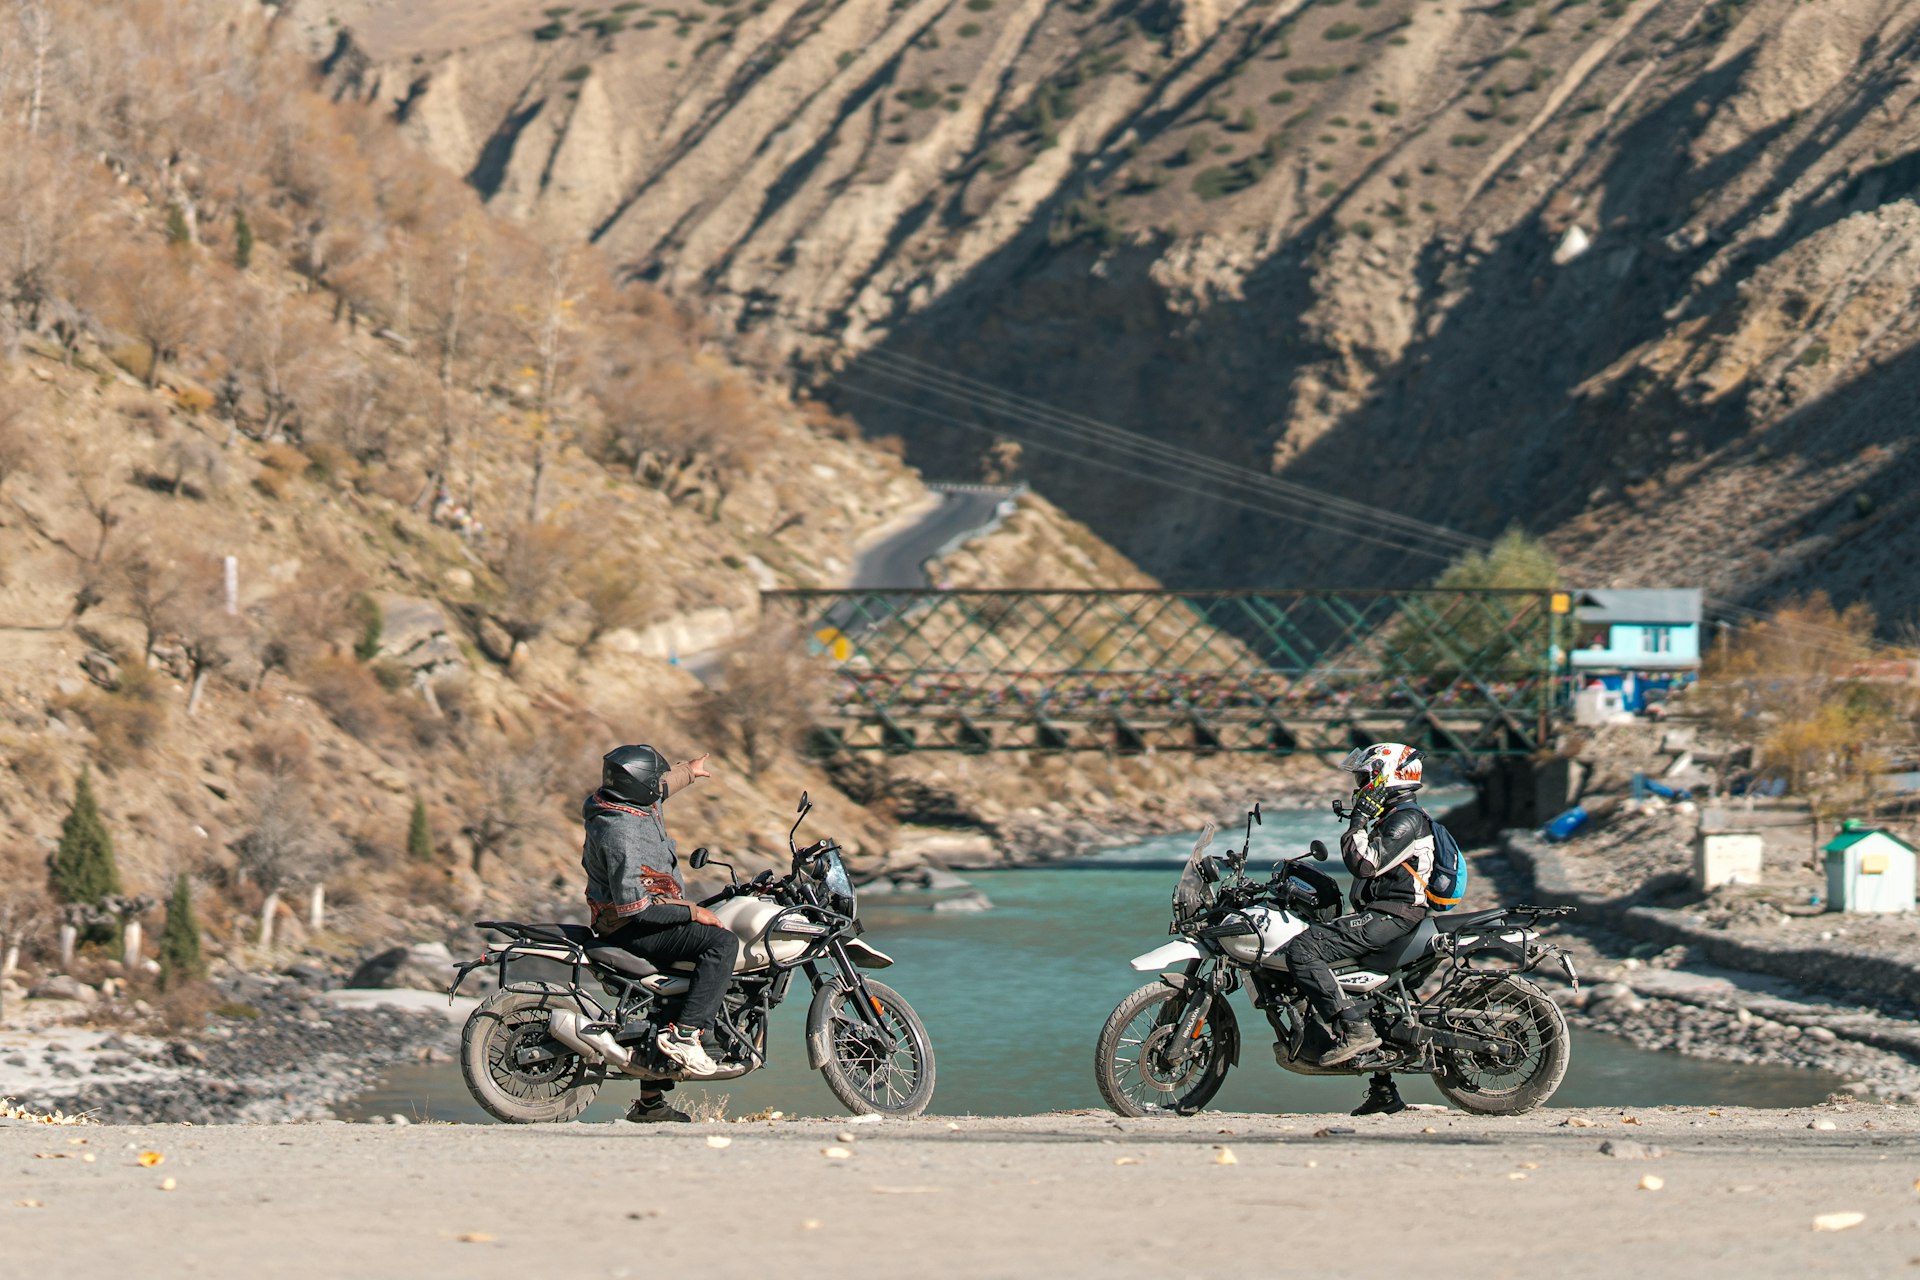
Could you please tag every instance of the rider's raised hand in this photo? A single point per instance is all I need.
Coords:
(698, 766)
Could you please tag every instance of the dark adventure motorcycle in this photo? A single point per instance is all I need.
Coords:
(538, 1050)
(1493, 1041)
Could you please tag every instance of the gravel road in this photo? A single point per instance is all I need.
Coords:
(1055, 1195)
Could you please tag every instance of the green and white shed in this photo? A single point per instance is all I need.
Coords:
(1869, 870)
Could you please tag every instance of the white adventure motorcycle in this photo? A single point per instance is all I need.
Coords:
(1494, 1042)
(539, 1050)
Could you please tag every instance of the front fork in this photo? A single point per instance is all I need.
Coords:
(1192, 1022)
(863, 1002)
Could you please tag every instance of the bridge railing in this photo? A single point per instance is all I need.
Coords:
(1467, 673)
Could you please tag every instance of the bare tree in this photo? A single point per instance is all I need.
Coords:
(286, 843)
(25, 910)
(153, 584)
(770, 691)
(196, 616)
(533, 570)
(513, 782)
(98, 475)
(153, 294)
(17, 438)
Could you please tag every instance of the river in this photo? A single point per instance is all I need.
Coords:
(1014, 997)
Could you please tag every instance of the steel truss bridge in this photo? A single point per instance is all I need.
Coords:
(1465, 674)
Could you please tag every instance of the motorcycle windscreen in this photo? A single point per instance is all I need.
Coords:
(1193, 894)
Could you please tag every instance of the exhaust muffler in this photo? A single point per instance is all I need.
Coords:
(565, 1025)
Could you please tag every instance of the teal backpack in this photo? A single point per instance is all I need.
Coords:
(1448, 884)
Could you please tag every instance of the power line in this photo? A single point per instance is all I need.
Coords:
(1161, 480)
(924, 377)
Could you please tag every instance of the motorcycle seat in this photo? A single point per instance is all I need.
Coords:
(1455, 921)
(621, 960)
(618, 959)
(1400, 954)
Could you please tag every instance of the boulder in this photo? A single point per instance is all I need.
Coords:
(63, 987)
(494, 640)
(423, 966)
(415, 631)
(975, 901)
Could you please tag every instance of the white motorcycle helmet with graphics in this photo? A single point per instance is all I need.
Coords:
(1385, 772)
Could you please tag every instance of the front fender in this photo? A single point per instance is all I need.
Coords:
(1178, 952)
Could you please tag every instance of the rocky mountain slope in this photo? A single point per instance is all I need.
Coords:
(1636, 273)
(328, 498)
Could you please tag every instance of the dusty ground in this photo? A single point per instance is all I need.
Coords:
(1056, 1195)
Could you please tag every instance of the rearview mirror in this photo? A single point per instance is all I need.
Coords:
(803, 803)
(1257, 821)
(1319, 850)
(698, 858)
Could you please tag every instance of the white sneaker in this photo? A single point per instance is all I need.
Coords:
(682, 1044)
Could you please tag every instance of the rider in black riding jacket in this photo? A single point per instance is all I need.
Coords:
(637, 902)
(1389, 849)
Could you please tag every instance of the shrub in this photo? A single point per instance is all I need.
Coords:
(551, 31)
(919, 98)
(979, 6)
(419, 834)
(1280, 98)
(1815, 355)
(351, 696)
(1312, 75)
(1467, 140)
(1386, 108)
(968, 30)
(367, 646)
(578, 73)
(127, 721)
(1342, 31)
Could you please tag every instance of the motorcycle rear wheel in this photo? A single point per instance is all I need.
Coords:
(862, 1073)
(1130, 1063)
(551, 1091)
(1487, 1085)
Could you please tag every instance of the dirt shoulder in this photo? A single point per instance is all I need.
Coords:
(1045, 1195)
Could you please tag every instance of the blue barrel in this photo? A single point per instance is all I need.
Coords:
(1563, 827)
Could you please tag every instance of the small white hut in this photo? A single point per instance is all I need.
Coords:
(1869, 870)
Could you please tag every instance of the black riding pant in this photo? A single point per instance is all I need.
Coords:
(711, 949)
(1312, 955)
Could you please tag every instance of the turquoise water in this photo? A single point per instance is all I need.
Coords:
(1014, 998)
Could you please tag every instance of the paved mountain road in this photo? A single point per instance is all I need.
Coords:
(895, 562)
(1424, 1193)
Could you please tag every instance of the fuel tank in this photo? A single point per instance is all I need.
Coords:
(746, 916)
(1275, 928)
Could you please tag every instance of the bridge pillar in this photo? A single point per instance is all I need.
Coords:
(1513, 793)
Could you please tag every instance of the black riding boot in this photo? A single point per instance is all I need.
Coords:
(1357, 1036)
(1383, 1097)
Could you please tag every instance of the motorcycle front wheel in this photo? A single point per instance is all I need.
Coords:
(515, 1070)
(859, 1068)
(1138, 1067)
(1532, 1058)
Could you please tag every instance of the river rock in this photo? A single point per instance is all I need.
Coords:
(424, 966)
(63, 987)
(1628, 1149)
(940, 881)
(1605, 991)
(975, 901)
(1821, 1035)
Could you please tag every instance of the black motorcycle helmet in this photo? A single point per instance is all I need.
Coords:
(632, 775)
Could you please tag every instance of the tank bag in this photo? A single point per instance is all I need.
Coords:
(1448, 883)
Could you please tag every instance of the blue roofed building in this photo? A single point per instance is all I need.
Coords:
(1636, 641)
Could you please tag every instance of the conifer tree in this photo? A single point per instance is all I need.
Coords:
(242, 240)
(419, 834)
(83, 865)
(180, 958)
